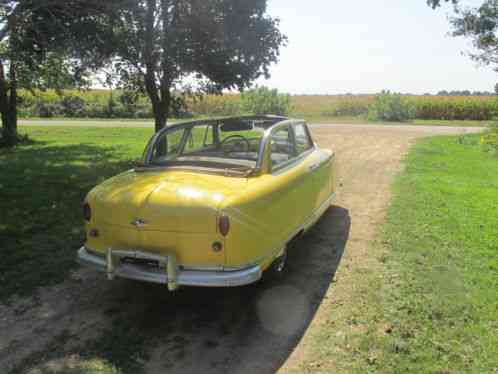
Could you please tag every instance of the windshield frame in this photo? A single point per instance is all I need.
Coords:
(274, 122)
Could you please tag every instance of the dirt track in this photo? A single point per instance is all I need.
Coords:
(261, 328)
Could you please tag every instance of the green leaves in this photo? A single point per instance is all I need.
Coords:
(391, 107)
(479, 24)
(213, 45)
(263, 100)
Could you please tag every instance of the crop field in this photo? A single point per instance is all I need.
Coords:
(316, 108)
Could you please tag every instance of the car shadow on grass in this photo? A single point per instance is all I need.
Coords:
(243, 330)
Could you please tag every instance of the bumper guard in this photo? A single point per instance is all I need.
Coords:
(167, 272)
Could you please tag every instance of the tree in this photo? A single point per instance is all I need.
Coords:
(480, 25)
(173, 48)
(47, 43)
(262, 100)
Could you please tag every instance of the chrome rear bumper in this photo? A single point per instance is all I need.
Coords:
(167, 272)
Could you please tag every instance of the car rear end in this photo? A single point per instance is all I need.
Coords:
(162, 227)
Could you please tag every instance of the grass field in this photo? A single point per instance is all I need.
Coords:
(431, 306)
(42, 187)
(442, 291)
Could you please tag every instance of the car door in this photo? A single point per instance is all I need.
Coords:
(320, 168)
(272, 211)
(307, 193)
(290, 158)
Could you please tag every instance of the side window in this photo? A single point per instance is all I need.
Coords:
(303, 141)
(199, 138)
(282, 147)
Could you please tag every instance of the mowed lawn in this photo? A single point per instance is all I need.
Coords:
(42, 186)
(438, 298)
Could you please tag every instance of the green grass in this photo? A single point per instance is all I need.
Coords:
(426, 299)
(440, 292)
(42, 186)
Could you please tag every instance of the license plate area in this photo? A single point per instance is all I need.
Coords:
(142, 266)
(145, 262)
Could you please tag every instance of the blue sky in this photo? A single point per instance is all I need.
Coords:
(364, 46)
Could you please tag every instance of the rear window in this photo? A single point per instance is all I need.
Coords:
(234, 144)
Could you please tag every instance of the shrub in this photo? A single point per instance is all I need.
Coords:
(73, 106)
(47, 110)
(490, 138)
(263, 100)
(393, 107)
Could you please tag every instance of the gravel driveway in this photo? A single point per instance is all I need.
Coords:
(260, 328)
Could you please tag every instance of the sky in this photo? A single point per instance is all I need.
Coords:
(365, 46)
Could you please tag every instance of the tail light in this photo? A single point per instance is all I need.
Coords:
(87, 212)
(224, 225)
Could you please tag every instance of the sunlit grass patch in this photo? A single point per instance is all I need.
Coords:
(76, 365)
(440, 297)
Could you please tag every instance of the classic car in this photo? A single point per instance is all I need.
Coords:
(212, 203)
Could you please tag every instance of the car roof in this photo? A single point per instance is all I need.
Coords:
(264, 121)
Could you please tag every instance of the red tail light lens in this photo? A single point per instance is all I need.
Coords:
(224, 225)
(87, 212)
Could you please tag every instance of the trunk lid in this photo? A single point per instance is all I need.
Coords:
(169, 201)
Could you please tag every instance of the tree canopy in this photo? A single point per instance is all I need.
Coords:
(172, 48)
(480, 24)
(47, 43)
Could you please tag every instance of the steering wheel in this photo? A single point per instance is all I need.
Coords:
(237, 140)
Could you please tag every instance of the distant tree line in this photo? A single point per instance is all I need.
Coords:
(466, 93)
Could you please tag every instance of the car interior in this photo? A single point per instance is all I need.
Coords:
(233, 143)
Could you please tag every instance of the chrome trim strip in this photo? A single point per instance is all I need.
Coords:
(199, 278)
(220, 278)
(85, 258)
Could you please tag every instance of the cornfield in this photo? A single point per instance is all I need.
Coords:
(98, 103)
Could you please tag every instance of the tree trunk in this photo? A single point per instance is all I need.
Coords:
(160, 120)
(8, 106)
(160, 96)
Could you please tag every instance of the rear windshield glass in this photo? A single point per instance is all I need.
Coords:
(229, 144)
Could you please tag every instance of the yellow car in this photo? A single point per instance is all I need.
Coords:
(213, 203)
